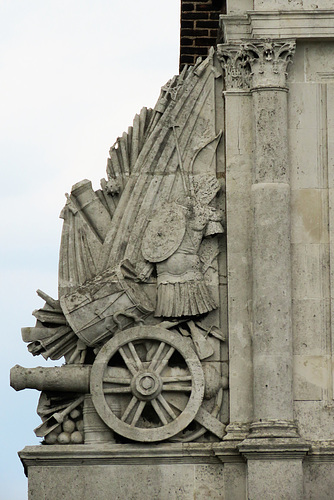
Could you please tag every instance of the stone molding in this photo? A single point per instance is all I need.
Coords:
(118, 454)
(269, 449)
(310, 24)
(228, 453)
(273, 428)
(321, 451)
(236, 431)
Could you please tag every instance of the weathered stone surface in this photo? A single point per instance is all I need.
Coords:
(277, 5)
(161, 482)
(151, 365)
(285, 481)
(185, 330)
(125, 471)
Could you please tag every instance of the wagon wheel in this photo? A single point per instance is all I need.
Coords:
(134, 373)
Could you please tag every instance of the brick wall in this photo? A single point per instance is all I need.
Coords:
(199, 28)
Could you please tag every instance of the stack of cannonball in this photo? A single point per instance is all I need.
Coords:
(69, 432)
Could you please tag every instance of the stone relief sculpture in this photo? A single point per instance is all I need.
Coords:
(136, 318)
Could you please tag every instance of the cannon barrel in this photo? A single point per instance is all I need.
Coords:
(67, 378)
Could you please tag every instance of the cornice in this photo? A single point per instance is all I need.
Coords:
(299, 24)
(120, 454)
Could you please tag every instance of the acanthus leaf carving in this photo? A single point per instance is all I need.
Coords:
(253, 63)
(269, 60)
(235, 62)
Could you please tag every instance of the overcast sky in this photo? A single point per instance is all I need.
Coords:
(73, 73)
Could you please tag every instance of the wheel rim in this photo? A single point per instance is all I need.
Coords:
(145, 385)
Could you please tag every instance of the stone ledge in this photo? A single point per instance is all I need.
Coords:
(119, 454)
(321, 451)
(300, 24)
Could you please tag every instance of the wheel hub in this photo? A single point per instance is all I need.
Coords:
(146, 385)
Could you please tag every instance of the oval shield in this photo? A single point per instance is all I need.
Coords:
(164, 233)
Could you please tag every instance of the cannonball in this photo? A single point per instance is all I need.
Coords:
(51, 438)
(75, 413)
(58, 429)
(68, 426)
(64, 438)
(80, 425)
(76, 437)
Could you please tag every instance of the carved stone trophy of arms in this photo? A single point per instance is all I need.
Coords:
(135, 317)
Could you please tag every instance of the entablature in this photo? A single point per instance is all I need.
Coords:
(300, 24)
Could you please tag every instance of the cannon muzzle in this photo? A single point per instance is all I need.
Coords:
(67, 378)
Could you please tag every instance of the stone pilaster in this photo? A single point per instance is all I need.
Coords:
(239, 146)
(272, 326)
(273, 449)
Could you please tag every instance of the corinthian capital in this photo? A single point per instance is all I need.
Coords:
(235, 61)
(269, 60)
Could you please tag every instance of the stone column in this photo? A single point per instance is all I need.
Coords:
(272, 325)
(273, 449)
(238, 151)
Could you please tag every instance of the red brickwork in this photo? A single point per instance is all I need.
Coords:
(199, 28)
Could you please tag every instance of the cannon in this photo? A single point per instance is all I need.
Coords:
(146, 384)
(67, 378)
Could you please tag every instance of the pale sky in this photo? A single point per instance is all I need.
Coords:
(73, 73)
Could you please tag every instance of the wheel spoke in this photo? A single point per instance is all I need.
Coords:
(166, 406)
(159, 412)
(139, 411)
(129, 363)
(117, 390)
(179, 378)
(176, 388)
(129, 408)
(156, 356)
(135, 356)
(164, 362)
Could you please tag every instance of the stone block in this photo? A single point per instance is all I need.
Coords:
(124, 472)
(302, 106)
(275, 479)
(275, 5)
(103, 482)
(310, 271)
(309, 216)
(310, 377)
(319, 60)
(318, 480)
(209, 482)
(311, 326)
(239, 7)
(304, 158)
(315, 419)
(235, 481)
